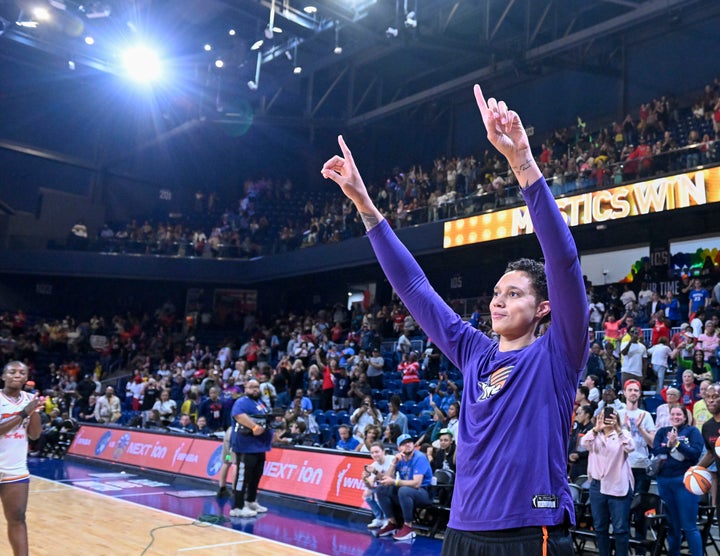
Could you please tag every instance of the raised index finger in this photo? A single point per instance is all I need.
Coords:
(345, 150)
(482, 104)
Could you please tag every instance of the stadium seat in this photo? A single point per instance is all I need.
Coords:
(325, 434)
(651, 403)
(407, 407)
(331, 418)
(416, 426)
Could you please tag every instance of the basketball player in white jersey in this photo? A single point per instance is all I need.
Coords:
(19, 420)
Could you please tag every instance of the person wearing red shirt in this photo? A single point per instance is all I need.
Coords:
(660, 330)
(410, 369)
(328, 384)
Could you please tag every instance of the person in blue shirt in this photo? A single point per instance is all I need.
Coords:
(699, 298)
(251, 440)
(407, 487)
(347, 441)
(680, 444)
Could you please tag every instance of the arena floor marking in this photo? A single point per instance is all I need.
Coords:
(75, 521)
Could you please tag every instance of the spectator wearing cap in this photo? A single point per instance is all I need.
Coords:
(445, 454)
(639, 423)
(428, 402)
(376, 369)
(683, 341)
(408, 489)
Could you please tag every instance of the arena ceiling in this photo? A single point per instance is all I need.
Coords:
(361, 60)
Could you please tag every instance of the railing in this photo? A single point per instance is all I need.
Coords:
(475, 203)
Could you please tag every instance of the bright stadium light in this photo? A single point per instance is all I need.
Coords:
(41, 14)
(142, 64)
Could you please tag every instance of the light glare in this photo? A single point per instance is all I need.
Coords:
(142, 64)
(41, 14)
(89, 41)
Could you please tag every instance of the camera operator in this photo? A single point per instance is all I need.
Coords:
(251, 439)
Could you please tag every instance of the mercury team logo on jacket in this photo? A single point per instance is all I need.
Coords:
(494, 383)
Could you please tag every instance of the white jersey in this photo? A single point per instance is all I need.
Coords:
(14, 443)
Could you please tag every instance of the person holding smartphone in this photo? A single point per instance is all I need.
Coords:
(611, 480)
(681, 445)
(365, 415)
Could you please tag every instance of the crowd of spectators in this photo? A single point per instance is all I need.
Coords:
(273, 216)
(355, 380)
(314, 371)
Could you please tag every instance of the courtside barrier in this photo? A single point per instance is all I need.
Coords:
(304, 472)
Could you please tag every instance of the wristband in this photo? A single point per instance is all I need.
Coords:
(23, 414)
(397, 482)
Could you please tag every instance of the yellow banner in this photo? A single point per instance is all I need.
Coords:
(647, 197)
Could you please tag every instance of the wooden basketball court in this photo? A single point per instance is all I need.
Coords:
(69, 521)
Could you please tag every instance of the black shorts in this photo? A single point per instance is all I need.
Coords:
(521, 541)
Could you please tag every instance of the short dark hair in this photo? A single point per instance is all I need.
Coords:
(536, 271)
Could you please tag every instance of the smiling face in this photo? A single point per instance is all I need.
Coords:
(378, 454)
(515, 309)
(677, 416)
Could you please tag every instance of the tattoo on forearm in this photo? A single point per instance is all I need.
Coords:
(370, 220)
(524, 166)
